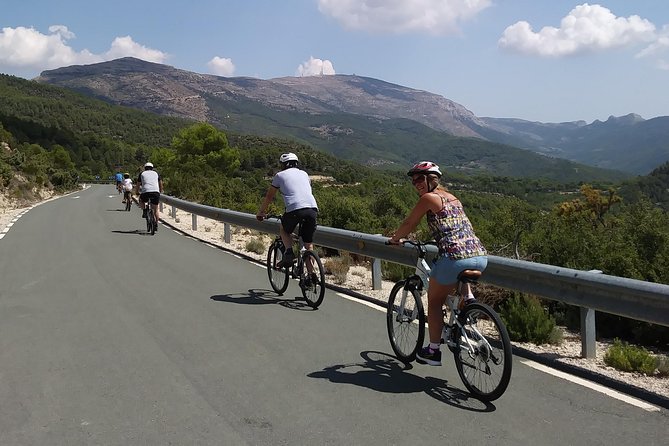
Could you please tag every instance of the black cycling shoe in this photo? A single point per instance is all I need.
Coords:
(288, 259)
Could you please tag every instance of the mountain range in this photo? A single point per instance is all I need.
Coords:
(365, 119)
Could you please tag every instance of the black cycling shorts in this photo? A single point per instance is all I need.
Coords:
(153, 197)
(308, 218)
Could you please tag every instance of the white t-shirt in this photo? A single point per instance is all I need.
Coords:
(295, 187)
(150, 181)
(127, 184)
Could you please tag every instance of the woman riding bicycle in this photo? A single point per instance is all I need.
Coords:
(301, 206)
(459, 248)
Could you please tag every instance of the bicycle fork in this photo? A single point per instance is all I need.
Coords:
(412, 283)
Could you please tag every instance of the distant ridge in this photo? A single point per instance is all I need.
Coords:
(278, 106)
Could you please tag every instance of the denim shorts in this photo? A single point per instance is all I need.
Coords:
(446, 271)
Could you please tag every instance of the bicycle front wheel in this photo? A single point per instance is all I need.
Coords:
(312, 283)
(405, 319)
(484, 356)
(278, 277)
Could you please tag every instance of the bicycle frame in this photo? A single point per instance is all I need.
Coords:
(420, 282)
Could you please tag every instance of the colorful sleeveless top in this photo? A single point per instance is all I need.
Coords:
(453, 232)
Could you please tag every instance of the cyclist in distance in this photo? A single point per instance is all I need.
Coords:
(459, 248)
(295, 186)
(119, 180)
(150, 187)
(127, 187)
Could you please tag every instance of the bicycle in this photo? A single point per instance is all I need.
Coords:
(311, 280)
(472, 331)
(150, 217)
(128, 200)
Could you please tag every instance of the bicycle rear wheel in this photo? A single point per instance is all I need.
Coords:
(405, 322)
(312, 284)
(278, 277)
(150, 221)
(128, 203)
(484, 358)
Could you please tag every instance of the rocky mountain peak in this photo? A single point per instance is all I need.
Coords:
(168, 90)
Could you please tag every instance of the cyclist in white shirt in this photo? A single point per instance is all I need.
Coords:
(300, 203)
(126, 184)
(150, 187)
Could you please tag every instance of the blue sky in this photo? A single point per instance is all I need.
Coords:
(540, 60)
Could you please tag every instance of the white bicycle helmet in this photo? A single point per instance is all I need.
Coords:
(424, 167)
(148, 165)
(287, 157)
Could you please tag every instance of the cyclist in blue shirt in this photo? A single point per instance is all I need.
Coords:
(119, 180)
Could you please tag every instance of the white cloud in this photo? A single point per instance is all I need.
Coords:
(315, 67)
(658, 49)
(62, 30)
(126, 47)
(401, 16)
(221, 66)
(585, 28)
(27, 48)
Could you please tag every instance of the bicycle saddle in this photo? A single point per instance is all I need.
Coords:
(469, 275)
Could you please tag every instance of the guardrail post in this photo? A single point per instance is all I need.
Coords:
(588, 334)
(194, 218)
(174, 212)
(376, 274)
(161, 207)
(226, 232)
(589, 330)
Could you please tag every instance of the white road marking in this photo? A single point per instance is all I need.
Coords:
(78, 196)
(1, 236)
(594, 386)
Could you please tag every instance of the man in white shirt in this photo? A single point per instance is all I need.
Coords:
(150, 187)
(295, 186)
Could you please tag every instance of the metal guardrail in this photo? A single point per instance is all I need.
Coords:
(630, 298)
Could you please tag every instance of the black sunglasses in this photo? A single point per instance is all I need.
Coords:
(418, 179)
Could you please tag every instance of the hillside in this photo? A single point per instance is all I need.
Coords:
(629, 142)
(374, 129)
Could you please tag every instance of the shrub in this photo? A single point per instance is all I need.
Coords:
(491, 295)
(527, 321)
(629, 358)
(338, 267)
(256, 245)
(395, 272)
(662, 364)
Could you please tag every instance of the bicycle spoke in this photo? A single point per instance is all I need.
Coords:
(405, 322)
(484, 357)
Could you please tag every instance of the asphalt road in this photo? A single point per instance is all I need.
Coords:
(109, 336)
